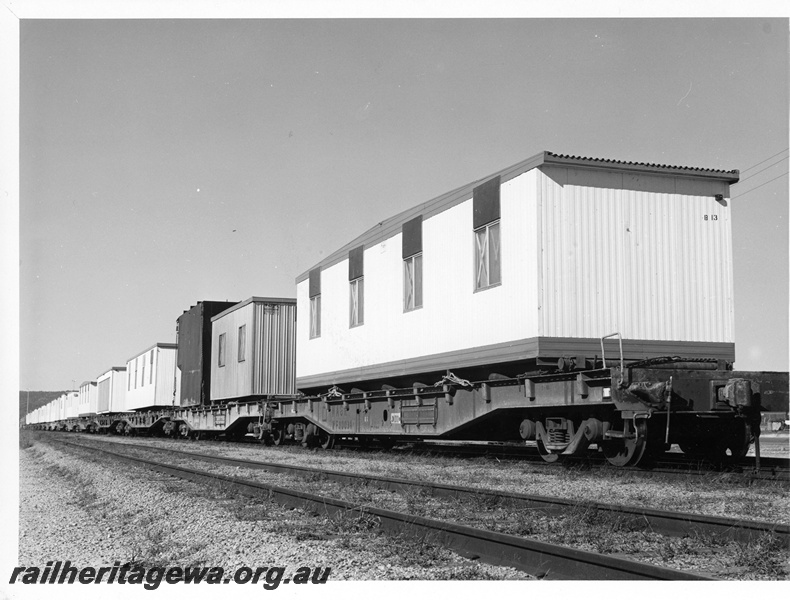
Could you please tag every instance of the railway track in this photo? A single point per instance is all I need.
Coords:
(669, 464)
(539, 559)
(660, 521)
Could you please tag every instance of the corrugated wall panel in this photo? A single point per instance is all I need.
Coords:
(194, 352)
(190, 355)
(274, 342)
(634, 256)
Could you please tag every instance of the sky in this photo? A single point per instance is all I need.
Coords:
(163, 162)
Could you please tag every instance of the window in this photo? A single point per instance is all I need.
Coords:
(242, 343)
(486, 212)
(135, 373)
(412, 282)
(357, 302)
(129, 379)
(315, 316)
(221, 351)
(412, 263)
(151, 371)
(356, 284)
(487, 256)
(142, 377)
(315, 303)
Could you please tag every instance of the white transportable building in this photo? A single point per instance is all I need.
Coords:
(111, 388)
(151, 377)
(252, 349)
(539, 260)
(88, 403)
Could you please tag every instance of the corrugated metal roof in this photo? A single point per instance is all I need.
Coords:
(610, 161)
(392, 225)
(257, 300)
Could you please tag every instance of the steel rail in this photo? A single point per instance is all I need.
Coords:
(661, 521)
(539, 559)
(772, 469)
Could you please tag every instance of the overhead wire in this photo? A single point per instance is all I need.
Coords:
(763, 169)
(764, 160)
(760, 171)
(759, 186)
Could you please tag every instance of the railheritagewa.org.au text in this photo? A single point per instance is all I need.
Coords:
(60, 572)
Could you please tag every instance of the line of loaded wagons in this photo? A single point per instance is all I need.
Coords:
(576, 304)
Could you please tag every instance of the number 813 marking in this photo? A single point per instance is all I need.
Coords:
(710, 217)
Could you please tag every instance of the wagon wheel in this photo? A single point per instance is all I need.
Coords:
(740, 440)
(278, 436)
(326, 440)
(309, 439)
(627, 451)
(545, 453)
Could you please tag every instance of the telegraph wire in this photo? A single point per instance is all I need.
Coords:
(763, 169)
(759, 186)
(765, 160)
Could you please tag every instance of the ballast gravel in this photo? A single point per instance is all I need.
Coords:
(94, 511)
(579, 527)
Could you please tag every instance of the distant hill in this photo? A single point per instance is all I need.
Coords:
(37, 399)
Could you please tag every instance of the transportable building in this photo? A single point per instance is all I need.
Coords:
(532, 264)
(193, 329)
(151, 377)
(71, 402)
(253, 349)
(88, 403)
(111, 391)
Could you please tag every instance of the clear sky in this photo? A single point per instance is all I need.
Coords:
(164, 162)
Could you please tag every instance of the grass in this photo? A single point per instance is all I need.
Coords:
(765, 555)
(417, 502)
(83, 487)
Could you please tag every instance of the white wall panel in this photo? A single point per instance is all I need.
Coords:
(118, 399)
(234, 379)
(111, 391)
(72, 401)
(500, 314)
(165, 377)
(150, 383)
